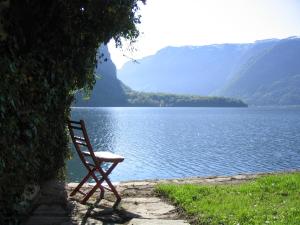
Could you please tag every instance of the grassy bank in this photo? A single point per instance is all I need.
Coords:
(273, 199)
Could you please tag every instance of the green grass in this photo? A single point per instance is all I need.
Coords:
(273, 199)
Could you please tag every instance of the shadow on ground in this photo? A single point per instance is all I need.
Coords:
(139, 206)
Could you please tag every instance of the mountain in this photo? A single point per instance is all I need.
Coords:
(110, 91)
(183, 70)
(190, 69)
(261, 73)
(270, 77)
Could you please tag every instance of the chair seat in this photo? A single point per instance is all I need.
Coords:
(106, 156)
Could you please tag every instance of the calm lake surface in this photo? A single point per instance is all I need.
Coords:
(185, 142)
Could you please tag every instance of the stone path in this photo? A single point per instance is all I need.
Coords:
(139, 204)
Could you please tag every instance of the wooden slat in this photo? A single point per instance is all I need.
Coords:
(77, 128)
(90, 164)
(80, 143)
(79, 138)
(86, 153)
(76, 122)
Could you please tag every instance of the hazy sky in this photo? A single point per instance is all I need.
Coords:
(200, 22)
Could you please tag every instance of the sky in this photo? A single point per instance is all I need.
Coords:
(201, 22)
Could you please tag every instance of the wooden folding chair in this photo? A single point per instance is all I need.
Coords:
(93, 160)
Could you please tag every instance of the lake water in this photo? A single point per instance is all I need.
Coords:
(185, 142)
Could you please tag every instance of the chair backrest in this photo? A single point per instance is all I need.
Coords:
(82, 142)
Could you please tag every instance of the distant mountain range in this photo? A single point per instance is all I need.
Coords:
(266, 72)
(110, 91)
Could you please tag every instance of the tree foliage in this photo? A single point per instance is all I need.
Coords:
(48, 50)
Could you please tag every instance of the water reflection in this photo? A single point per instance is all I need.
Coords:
(181, 142)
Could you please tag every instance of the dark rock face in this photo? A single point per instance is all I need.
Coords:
(108, 90)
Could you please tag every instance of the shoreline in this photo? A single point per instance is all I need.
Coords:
(200, 179)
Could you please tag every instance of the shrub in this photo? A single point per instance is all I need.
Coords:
(48, 50)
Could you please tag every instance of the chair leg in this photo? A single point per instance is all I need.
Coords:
(104, 177)
(82, 182)
(113, 189)
(91, 192)
(107, 180)
(116, 204)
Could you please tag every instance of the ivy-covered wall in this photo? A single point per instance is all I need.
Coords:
(47, 51)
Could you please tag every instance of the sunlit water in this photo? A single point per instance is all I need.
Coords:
(185, 142)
